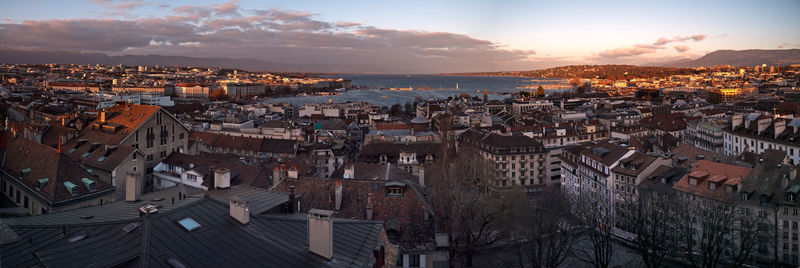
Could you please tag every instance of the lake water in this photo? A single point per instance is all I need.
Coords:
(471, 85)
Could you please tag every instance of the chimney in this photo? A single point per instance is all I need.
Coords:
(292, 172)
(59, 144)
(349, 171)
(239, 209)
(63, 121)
(780, 126)
(131, 187)
(763, 123)
(276, 176)
(222, 178)
(103, 116)
(291, 199)
(212, 178)
(421, 175)
(338, 192)
(369, 206)
(320, 232)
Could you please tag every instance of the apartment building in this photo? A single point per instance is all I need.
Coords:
(588, 177)
(517, 159)
(151, 130)
(756, 133)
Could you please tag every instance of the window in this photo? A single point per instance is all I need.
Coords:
(150, 137)
(191, 178)
(189, 224)
(413, 260)
(149, 158)
(26, 202)
(394, 191)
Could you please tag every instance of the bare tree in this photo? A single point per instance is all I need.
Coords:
(542, 237)
(467, 210)
(649, 216)
(706, 228)
(598, 237)
(753, 231)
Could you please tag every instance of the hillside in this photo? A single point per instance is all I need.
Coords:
(592, 71)
(736, 58)
(17, 56)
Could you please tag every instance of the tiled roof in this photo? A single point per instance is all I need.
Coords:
(41, 161)
(638, 159)
(706, 171)
(257, 176)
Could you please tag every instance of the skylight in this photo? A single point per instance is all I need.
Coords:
(77, 237)
(189, 224)
(130, 227)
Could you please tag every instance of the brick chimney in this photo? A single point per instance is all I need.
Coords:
(780, 126)
(320, 232)
(239, 209)
(736, 120)
(421, 175)
(369, 207)
(103, 116)
(338, 192)
(131, 187)
(222, 178)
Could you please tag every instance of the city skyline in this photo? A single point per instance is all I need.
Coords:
(405, 37)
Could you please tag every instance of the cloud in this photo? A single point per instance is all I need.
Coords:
(696, 38)
(642, 49)
(226, 30)
(622, 52)
(789, 45)
(121, 5)
(682, 48)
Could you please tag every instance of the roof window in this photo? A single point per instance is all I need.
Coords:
(189, 224)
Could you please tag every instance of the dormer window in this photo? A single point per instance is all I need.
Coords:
(744, 196)
(394, 191)
(693, 181)
(764, 199)
(712, 186)
(42, 183)
(790, 197)
(71, 188)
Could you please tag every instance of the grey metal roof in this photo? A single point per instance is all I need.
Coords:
(113, 211)
(261, 200)
(267, 241)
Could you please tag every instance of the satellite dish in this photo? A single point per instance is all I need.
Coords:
(191, 165)
(346, 176)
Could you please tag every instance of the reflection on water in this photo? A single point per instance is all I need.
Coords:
(440, 87)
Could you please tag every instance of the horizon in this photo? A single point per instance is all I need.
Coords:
(392, 38)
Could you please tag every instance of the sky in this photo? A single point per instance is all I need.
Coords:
(406, 36)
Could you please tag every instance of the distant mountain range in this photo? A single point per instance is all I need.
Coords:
(751, 57)
(18, 56)
(736, 58)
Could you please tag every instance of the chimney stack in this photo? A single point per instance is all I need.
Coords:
(276, 175)
(291, 200)
(103, 116)
(239, 209)
(421, 175)
(222, 178)
(320, 232)
(338, 192)
(369, 206)
(131, 187)
(59, 144)
(212, 178)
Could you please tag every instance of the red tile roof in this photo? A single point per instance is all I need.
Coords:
(711, 172)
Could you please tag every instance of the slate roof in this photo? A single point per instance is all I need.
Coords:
(267, 241)
(768, 178)
(261, 200)
(280, 146)
(257, 176)
(103, 156)
(371, 152)
(42, 161)
(638, 159)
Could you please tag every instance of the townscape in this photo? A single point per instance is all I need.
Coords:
(435, 182)
(399, 134)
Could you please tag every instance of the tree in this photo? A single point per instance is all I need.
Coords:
(410, 110)
(753, 231)
(218, 95)
(467, 210)
(598, 238)
(540, 91)
(648, 215)
(541, 236)
(396, 110)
